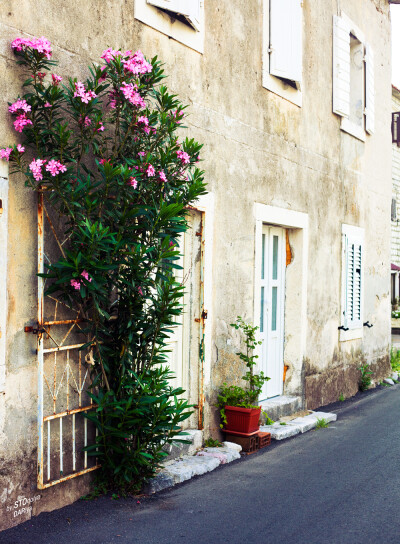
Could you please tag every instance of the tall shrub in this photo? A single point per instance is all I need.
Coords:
(106, 155)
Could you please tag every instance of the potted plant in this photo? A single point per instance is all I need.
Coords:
(237, 405)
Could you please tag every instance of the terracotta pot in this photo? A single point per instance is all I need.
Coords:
(242, 420)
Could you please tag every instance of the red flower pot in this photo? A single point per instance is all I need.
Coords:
(242, 420)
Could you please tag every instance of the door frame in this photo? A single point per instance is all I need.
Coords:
(296, 313)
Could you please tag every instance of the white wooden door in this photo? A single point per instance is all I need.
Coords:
(272, 296)
(184, 342)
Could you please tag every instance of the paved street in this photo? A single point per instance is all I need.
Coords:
(335, 485)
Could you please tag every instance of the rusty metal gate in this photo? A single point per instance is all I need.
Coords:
(63, 371)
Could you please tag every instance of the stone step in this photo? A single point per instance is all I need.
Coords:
(297, 425)
(194, 437)
(186, 467)
(280, 406)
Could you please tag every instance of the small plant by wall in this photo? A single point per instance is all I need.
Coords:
(365, 377)
(106, 155)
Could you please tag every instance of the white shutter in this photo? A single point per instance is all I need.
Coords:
(353, 283)
(194, 14)
(190, 9)
(369, 90)
(286, 29)
(341, 67)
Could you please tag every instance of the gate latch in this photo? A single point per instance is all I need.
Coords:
(34, 330)
(204, 314)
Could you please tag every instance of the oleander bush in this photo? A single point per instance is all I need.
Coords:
(106, 155)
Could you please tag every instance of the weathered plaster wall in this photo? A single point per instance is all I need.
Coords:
(258, 148)
(395, 246)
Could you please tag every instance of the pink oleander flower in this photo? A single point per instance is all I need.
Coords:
(142, 120)
(36, 168)
(41, 45)
(140, 291)
(110, 54)
(183, 156)
(102, 161)
(162, 176)
(136, 63)
(21, 122)
(87, 122)
(41, 76)
(56, 79)
(130, 93)
(76, 284)
(19, 105)
(47, 105)
(85, 275)
(55, 167)
(132, 182)
(21, 148)
(142, 153)
(100, 127)
(146, 130)
(150, 171)
(5, 153)
(81, 93)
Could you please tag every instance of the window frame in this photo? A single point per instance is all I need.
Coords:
(350, 235)
(276, 84)
(367, 94)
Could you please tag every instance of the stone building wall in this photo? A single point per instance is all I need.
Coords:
(259, 148)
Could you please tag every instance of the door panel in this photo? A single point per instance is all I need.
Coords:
(184, 358)
(272, 308)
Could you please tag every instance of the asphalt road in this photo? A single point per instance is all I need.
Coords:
(335, 485)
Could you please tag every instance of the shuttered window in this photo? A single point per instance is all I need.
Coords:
(353, 78)
(285, 44)
(188, 9)
(352, 285)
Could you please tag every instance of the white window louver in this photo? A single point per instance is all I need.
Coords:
(352, 311)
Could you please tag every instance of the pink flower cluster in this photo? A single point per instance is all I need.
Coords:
(183, 156)
(132, 182)
(150, 171)
(55, 167)
(6, 152)
(130, 93)
(76, 284)
(144, 122)
(100, 127)
(162, 176)
(56, 79)
(41, 45)
(85, 121)
(110, 54)
(21, 122)
(19, 105)
(133, 62)
(81, 93)
(136, 63)
(36, 168)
